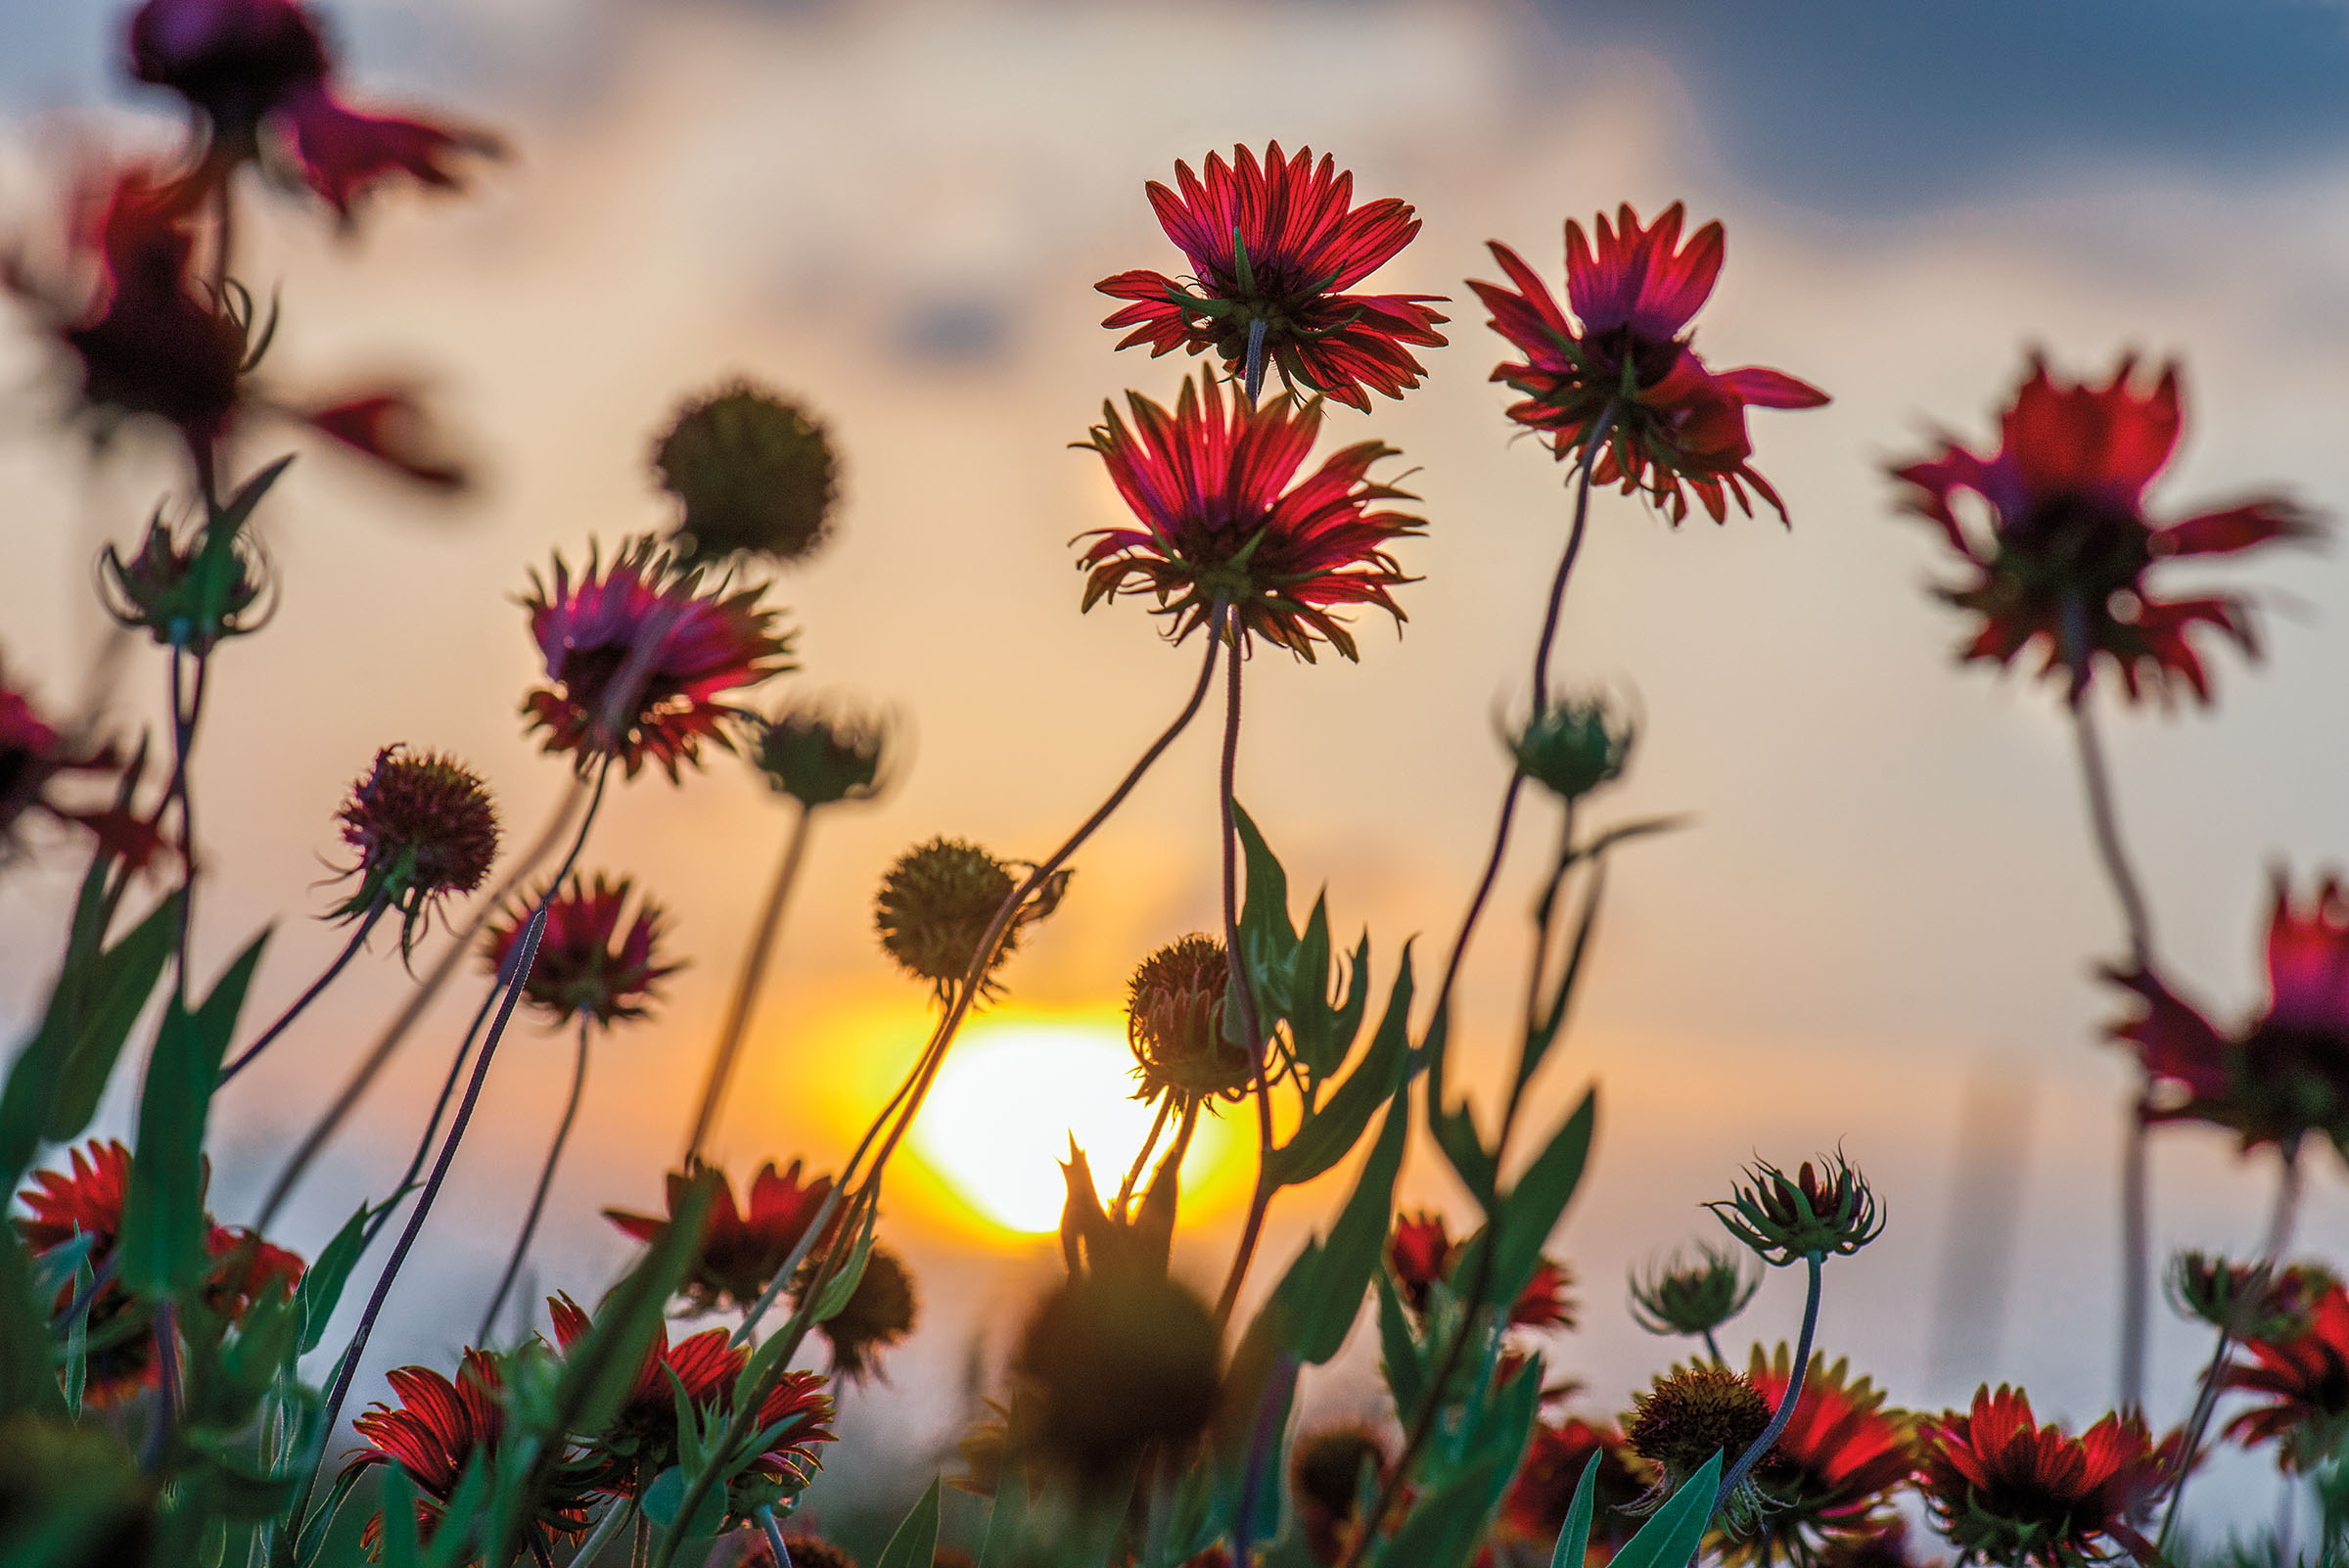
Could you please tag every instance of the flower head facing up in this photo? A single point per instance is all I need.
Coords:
(424, 829)
(586, 967)
(438, 1428)
(2304, 1378)
(1830, 1211)
(937, 903)
(1533, 1509)
(1694, 1297)
(821, 758)
(1627, 363)
(1840, 1455)
(1221, 524)
(2006, 1490)
(2285, 1072)
(2069, 546)
(640, 655)
(1175, 1025)
(1690, 1414)
(1117, 1361)
(246, 64)
(1571, 748)
(879, 1313)
(742, 1249)
(752, 473)
(1273, 245)
(1328, 1470)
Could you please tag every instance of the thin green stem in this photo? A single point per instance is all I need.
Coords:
(546, 1182)
(351, 950)
(601, 1536)
(746, 988)
(1243, 992)
(1761, 1446)
(1712, 1349)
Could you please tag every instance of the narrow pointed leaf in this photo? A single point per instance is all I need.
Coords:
(916, 1539)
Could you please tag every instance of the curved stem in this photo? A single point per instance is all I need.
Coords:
(746, 988)
(1243, 991)
(2104, 823)
(379, 1055)
(605, 1529)
(1141, 1158)
(546, 1182)
(774, 1537)
(1761, 1446)
(351, 950)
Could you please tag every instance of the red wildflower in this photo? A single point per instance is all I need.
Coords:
(2305, 1378)
(33, 754)
(1533, 1511)
(638, 656)
(1420, 1251)
(2004, 1489)
(1840, 1455)
(2069, 545)
(1546, 1302)
(2285, 1072)
(1669, 419)
(1220, 522)
(246, 64)
(644, 1440)
(742, 1249)
(440, 1428)
(585, 966)
(424, 828)
(1272, 243)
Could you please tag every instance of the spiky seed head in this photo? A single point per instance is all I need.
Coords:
(1175, 1024)
(188, 588)
(936, 905)
(1693, 1296)
(424, 828)
(1690, 1414)
(754, 472)
(1821, 1212)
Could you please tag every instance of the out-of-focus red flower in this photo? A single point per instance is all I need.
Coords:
(2065, 560)
(249, 65)
(644, 1440)
(1624, 355)
(33, 755)
(2004, 1489)
(435, 1431)
(1420, 1251)
(1840, 1456)
(638, 656)
(2285, 1072)
(743, 1248)
(585, 967)
(2304, 1378)
(393, 426)
(1547, 1300)
(1276, 244)
(1222, 522)
(1533, 1511)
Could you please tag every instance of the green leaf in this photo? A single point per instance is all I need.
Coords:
(1267, 939)
(1312, 1021)
(1445, 1529)
(1668, 1538)
(322, 1285)
(27, 1367)
(1540, 1197)
(119, 983)
(599, 1372)
(1333, 1130)
(1399, 1351)
(666, 1495)
(917, 1542)
(1454, 1128)
(1006, 1523)
(1574, 1537)
(842, 1285)
(400, 1518)
(1324, 1293)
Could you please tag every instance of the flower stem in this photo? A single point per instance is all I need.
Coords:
(358, 940)
(186, 712)
(1712, 1349)
(1254, 368)
(546, 1182)
(1760, 1448)
(746, 988)
(605, 1529)
(1141, 1158)
(774, 1537)
(1243, 991)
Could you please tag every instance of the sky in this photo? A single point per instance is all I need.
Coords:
(1882, 925)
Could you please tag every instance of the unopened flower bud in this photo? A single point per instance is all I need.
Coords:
(2246, 1300)
(754, 472)
(1694, 1297)
(1819, 1211)
(1175, 1024)
(1573, 747)
(818, 759)
(186, 589)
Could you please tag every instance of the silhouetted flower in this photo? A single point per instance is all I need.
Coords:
(1175, 1025)
(742, 1249)
(1535, 1508)
(1571, 748)
(1328, 1470)
(585, 967)
(1830, 1210)
(33, 755)
(1687, 1416)
(880, 1311)
(2250, 1301)
(189, 587)
(2065, 560)
(2304, 1377)
(1840, 1455)
(821, 758)
(754, 473)
(2006, 1490)
(1276, 244)
(424, 828)
(1694, 1298)
(2285, 1072)
(937, 903)
(1221, 524)
(1670, 420)
(1115, 1362)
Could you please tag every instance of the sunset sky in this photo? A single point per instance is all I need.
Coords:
(1882, 925)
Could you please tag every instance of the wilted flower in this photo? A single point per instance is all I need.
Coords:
(754, 473)
(1690, 1414)
(880, 1311)
(1669, 419)
(2304, 1377)
(1328, 1470)
(2285, 1072)
(1694, 1297)
(1420, 1251)
(2250, 1301)
(639, 656)
(1271, 247)
(2069, 545)
(1830, 1211)
(1840, 1455)
(585, 967)
(1222, 525)
(819, 758)
(1175, 1025)
(1535, 1508)
(33, 754)
(424, 829)
(1571, 748)
(936, 905)
(2006, 1490)
(742, 1250)
(1117, 1360)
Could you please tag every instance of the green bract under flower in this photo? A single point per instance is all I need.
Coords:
(1784, 1217)
(1684, 1296)
(189, 588)
(1573, 747)
(754, 472)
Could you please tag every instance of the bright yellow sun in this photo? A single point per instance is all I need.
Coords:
(1013, 1091)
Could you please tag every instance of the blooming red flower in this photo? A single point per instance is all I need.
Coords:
(438, 1428)
(1670, 420)
(644, 1440)
(742, 1249)
(1221, 524)
(1274, 244)
(1533, 1511)
(639, 655)
(2069, 546)
(1420, 1251)
(584, 967)
(1841, 1453)
(2305, 1379)
(33, 754)
(2004, 1489)
(246, 64)
(2285, 1072)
